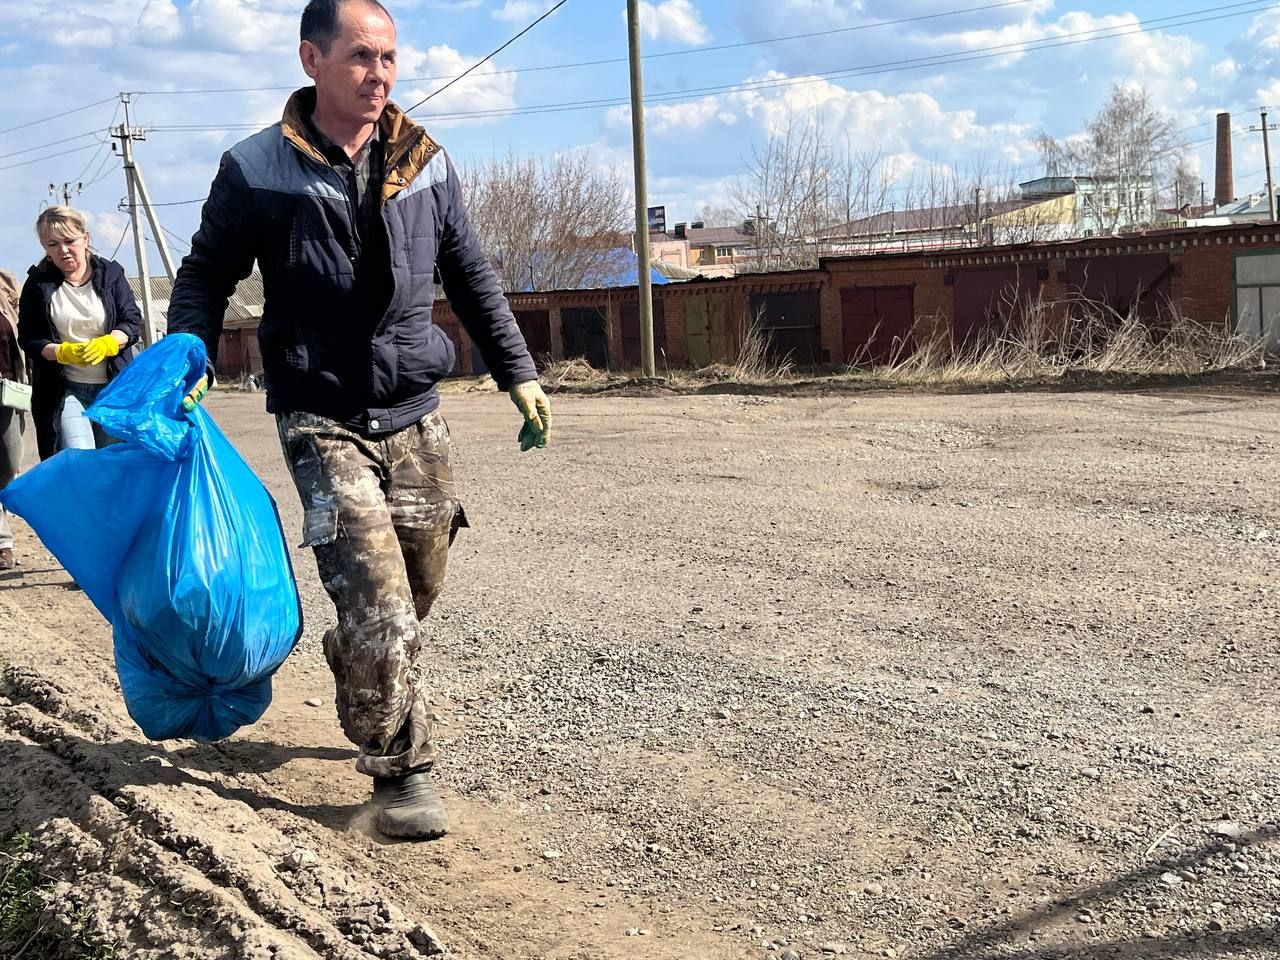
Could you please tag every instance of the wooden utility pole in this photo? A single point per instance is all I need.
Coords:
(1266, 156)
(647, 365)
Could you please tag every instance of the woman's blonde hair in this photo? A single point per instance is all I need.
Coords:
(61, 223)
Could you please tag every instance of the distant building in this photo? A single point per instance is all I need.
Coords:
(244, 308)
(937, 228)
(709, 251)
(1102, 206)
(1251, 209)
(1046, 209)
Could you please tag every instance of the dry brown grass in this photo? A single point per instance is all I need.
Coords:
(576, 372)
(1095, 340)
(1036, 345)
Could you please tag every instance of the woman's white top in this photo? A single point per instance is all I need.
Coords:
(78, 316)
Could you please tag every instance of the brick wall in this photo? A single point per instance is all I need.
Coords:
(1201, 285)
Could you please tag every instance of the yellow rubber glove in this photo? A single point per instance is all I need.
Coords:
(99, 348)
(71, 353)
(536, 409)
(197, 393)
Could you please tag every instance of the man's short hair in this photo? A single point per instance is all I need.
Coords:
(320, 21)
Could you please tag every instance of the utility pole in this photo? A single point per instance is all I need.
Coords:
(66, 191)
(647, 365)
(977, 216)
(126, 133)
(1266, 156)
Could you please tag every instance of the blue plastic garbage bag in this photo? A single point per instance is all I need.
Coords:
(178, 544)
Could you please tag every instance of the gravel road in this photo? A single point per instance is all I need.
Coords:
(900, 675)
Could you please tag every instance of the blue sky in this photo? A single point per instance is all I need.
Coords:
(987, 112)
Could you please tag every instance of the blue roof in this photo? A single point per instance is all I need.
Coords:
(619, 267)
(622, 269)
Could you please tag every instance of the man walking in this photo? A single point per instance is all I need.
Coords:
(351, 211)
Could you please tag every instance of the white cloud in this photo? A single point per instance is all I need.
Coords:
(664, 118)
(86, 35)
(160, 21)
(675, 21)
(106, 229)
(521, 10)
(480, 91)
(1224, 71)
(242, 26)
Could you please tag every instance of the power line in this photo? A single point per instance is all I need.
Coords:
(174, 203)
(106, 141)
(892, 66)
(101, 146)
(51, 143)
(99, 175)
(710, 48)
(464, 73)
(55, 116)
(914, 63)
(52, 156)
(175, 238)
(124, 234)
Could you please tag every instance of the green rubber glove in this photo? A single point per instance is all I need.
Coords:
(67, 352)
(536, 409)
(99, 348)
(192, 399)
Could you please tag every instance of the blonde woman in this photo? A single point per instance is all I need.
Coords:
(77, 319)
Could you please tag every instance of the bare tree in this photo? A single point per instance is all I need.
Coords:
(786, 191)
(712, 216)
(549, 224)
(1128, 150)
(1186, 184)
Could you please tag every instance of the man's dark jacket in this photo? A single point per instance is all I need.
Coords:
(36, 331)
(340, 338)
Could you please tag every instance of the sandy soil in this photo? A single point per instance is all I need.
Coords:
(895, 675)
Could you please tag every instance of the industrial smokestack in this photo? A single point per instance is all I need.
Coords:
(1224, 188)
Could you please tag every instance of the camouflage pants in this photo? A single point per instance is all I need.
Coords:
(380, 513)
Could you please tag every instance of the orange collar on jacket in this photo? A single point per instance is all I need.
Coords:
(407, 149)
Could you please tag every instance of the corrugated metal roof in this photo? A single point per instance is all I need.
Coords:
(925, 218)
(244, 309)
(1071, 247)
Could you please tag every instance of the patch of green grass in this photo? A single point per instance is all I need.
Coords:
(24, 934)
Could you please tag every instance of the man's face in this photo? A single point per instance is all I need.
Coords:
(354, 79)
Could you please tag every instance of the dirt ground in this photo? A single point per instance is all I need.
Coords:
(913, 676)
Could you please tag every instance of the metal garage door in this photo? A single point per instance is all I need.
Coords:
(1138, 282)
(536, 327)
(877, 323)
(586, 335)
(631, 333)
(706, 330)
(987, 301)
(791, 321)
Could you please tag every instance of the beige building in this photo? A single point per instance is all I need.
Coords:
(709, 251)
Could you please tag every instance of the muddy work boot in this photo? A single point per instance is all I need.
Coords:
(408, 806)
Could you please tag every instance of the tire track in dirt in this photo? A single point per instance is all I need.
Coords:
(161, 857)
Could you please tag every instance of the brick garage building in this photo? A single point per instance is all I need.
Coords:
(1227, 277)
(867, 308)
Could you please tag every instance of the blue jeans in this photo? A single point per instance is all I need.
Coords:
(75, 430)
